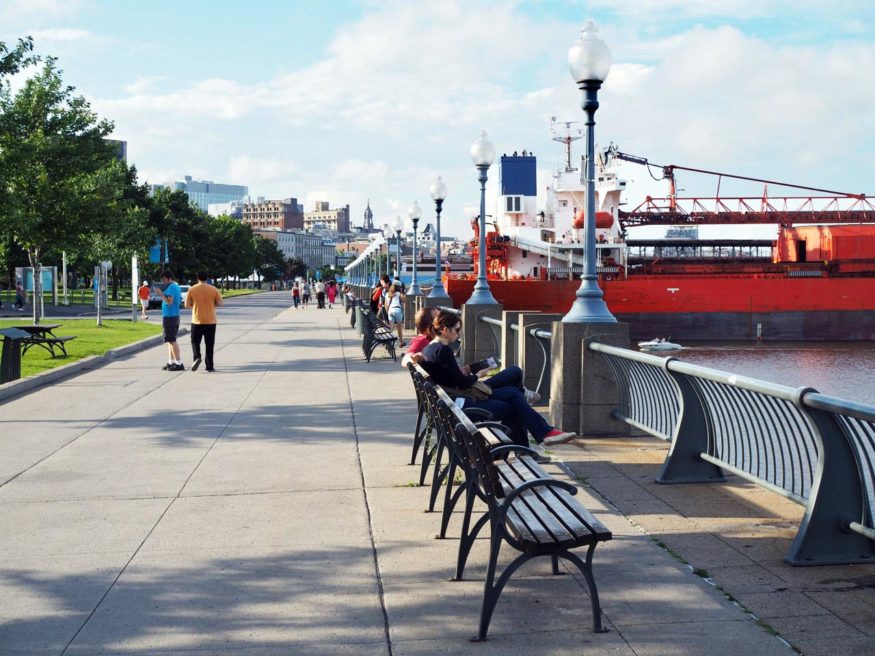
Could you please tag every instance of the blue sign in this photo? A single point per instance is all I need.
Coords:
(318, 274)
(155, 252)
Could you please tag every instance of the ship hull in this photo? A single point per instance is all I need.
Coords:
(710, 308)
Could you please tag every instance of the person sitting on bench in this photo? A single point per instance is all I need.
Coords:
(506, 386)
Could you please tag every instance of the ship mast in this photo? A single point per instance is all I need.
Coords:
(566, 138)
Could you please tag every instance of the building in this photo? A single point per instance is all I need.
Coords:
(336, 220)
(234, 209)
(273, 214)
(203, 192)
(311, 249)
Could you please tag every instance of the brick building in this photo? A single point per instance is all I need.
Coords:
(274, 214)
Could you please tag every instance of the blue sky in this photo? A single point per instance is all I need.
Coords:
(352, 100)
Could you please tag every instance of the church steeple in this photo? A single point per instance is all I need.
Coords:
(369, 217)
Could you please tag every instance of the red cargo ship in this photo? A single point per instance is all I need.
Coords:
(816, 281)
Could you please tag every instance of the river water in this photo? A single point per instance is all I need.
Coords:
(842, 369)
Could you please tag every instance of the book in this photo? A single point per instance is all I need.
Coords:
(488, 363)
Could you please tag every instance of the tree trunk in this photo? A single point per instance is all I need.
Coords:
(33, 255)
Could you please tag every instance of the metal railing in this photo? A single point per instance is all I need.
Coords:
(814, 449)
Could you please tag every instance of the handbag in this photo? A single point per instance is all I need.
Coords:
(479, 391)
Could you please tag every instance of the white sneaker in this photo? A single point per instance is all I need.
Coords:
(531, 395)
(557, 436)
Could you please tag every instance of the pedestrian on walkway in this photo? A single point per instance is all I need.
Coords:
(395, 311)
(203, 299)
(143, 294)
(170, 302)
(296, 295)
(331, 292)
(305, 293)
(20, 295)
(320, 295)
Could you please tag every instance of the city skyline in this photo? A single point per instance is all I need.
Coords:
(358, 100)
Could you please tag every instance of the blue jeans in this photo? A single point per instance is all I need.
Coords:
(508, 403)
(510, 377)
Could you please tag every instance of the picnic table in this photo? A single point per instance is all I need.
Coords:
(43, 335)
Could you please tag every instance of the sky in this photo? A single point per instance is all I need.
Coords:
(357, 101)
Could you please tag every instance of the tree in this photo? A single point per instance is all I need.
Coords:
(269, 260)
(128, 231)
(52, 153)
(231, 247)
(183, 227)
(12, 61)
(295, 268)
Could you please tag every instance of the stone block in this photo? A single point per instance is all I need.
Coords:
(478, 340)
(582, 386)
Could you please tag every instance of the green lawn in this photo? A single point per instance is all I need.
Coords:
(90, 340)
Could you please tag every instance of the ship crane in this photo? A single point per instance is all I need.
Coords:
(821, 206)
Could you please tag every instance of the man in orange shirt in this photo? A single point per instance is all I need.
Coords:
(203, 299)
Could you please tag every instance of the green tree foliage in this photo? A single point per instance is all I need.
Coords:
(295, 268)
(53, 157)
(269, 261)
(231, 247)
(183, 227)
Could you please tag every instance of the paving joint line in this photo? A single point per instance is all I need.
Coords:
(358, 454)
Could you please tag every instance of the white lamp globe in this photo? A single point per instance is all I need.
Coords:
(482, 151)
(438, 189)
(589, 58)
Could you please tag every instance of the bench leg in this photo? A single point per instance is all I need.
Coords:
(491, 593)
(466, 540)
(451, 497)
(586, 570)
(438, 475)
(428, 451)
(418, 433)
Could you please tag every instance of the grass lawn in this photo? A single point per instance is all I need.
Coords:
(90, 340)
(227, 293)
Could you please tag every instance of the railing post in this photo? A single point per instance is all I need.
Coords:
(477, 338)
(836, 499)
(510, 355)
(690, 439)
(531, 354)
(583, 391)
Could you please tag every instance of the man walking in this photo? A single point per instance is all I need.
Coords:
(170, 299)
(143, 294)
(203, 299)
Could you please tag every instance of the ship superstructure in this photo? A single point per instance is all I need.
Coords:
(816, 280)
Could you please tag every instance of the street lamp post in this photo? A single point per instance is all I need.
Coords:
(438, 192)
(414, 213)
(589, 61)
(399, 226)
(387, 233)
(482, 154)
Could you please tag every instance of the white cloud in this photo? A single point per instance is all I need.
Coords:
(19, 11)
(401, 93)
(54, 35)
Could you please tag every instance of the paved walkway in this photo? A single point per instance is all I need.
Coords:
(268, 509)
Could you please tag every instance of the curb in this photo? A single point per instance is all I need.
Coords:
(22, 386)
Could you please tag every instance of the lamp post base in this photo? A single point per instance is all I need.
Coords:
(583, 391)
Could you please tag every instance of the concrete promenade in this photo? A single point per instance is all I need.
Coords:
(267, 509)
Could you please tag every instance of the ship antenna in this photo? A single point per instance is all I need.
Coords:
(566, 137)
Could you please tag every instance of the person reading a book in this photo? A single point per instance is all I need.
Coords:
(505, 388)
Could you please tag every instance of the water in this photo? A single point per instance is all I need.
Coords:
(842, 369)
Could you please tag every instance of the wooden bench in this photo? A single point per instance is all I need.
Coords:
(377, 333)
(531, 512)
